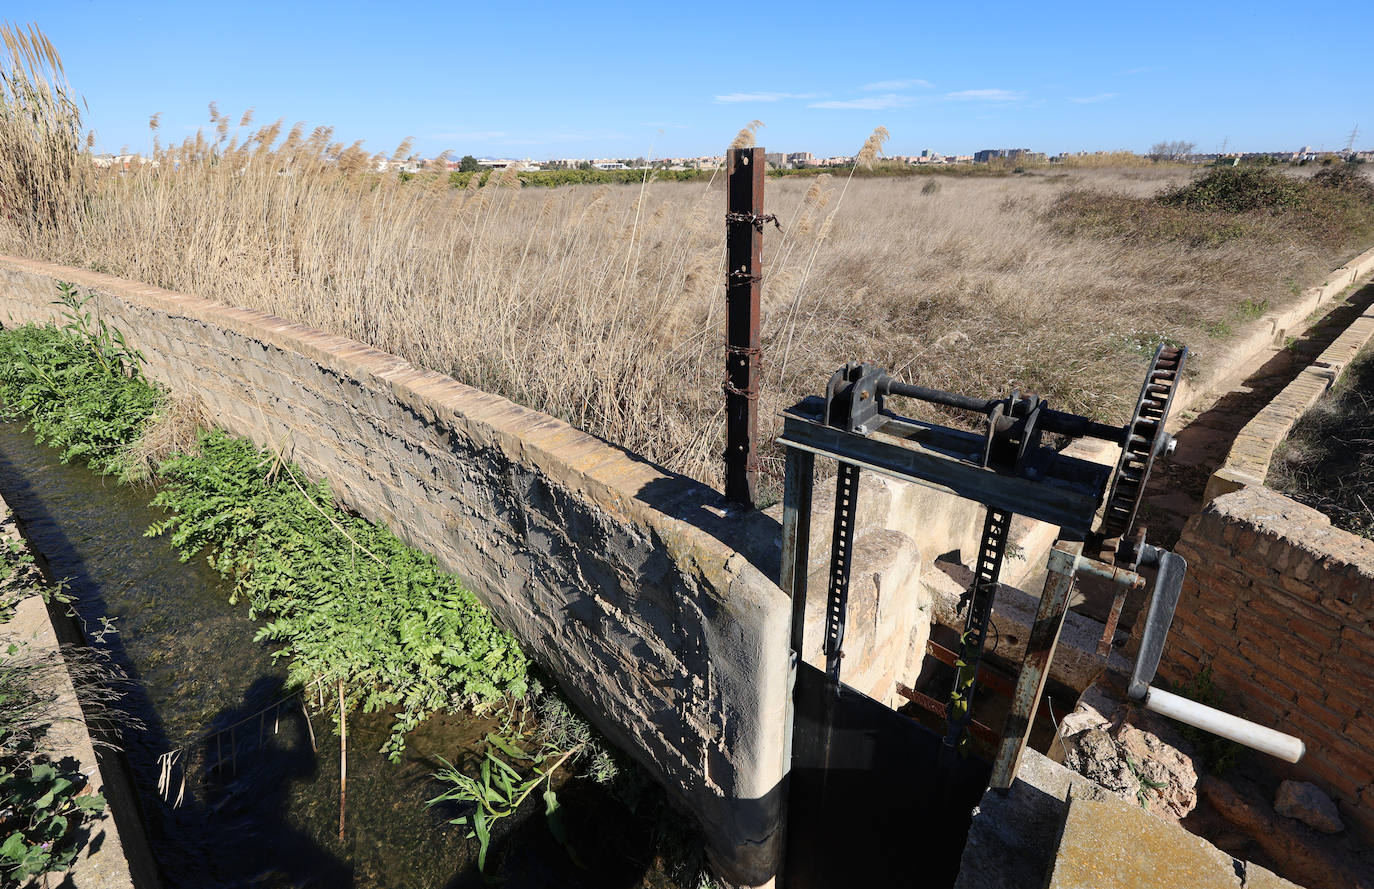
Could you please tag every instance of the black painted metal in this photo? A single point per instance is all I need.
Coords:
(992, 548)
(841, 557)
(744, 169)
(868, 803)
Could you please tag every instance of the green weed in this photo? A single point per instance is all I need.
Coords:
(80, 386)
(346, 599)
(1218, 754)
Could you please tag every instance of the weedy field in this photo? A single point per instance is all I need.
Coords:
(605, 305)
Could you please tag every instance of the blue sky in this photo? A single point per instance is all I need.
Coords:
(597, 79)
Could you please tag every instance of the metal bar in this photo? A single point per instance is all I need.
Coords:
(796, 538)
(744, 168)
(1069, 507)
(798, 484)
(993, 681)
(1035, 669)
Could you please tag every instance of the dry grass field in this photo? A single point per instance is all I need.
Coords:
(604, 305)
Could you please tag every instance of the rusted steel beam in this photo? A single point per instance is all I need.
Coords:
(993, 681)
(929, 704)
(744, 168)
(1035, 669)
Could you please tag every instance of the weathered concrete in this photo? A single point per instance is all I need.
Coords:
(1012, 838)
(621, 578)
(1110, 844)
(101, 863)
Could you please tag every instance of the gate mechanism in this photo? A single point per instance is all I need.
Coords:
(1011, 471)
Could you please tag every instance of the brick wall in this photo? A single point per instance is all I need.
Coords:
(1278, 603)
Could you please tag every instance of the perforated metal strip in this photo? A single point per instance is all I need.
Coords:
(841, 557)
(992, 548)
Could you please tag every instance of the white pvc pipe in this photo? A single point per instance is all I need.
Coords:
(1233, 728)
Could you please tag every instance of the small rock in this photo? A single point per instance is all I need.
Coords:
(1129, 760)
(1308, 803)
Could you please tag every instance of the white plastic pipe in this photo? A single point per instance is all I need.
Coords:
(1233, 728)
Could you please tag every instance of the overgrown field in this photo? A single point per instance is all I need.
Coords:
(604, 305)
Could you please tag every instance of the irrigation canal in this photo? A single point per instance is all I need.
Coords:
(261, 807)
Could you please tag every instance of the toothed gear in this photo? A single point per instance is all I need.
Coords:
(1145, 440)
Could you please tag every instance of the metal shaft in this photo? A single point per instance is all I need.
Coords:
(1050, 420)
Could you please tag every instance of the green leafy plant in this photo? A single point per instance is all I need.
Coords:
(41, 811)
(1218, 754)
(500, 787)
(346, 599)
(80, 386)
(1144, 784)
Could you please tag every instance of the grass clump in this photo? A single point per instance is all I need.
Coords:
(347, 599)
(1327, 461)
(1218, 754)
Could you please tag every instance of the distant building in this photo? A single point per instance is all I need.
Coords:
(1011, 154)
(777, 159)
(801, 159)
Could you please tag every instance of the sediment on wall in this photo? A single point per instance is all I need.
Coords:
(1280, 605)
(622, 579)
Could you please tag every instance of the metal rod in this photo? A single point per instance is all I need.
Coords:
(1035, 669)
(744, 168)
(1050, 420)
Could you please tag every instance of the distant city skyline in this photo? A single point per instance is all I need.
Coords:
(545, 82)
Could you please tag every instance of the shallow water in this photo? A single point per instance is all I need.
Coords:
(261, 807)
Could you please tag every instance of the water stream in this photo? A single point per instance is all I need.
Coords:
(261, 806)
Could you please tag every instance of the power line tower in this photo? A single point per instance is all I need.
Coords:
(1350, 143)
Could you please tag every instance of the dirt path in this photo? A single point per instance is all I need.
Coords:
(1175, 489)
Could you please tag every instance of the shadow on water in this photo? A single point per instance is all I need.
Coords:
(261, 806)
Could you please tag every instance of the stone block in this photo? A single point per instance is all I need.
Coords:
(1112, 844)
(1309, 804)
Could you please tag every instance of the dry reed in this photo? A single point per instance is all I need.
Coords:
(604, 306)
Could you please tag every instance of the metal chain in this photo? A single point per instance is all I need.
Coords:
(757, 220)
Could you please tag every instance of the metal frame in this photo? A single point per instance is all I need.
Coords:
(1062, 490)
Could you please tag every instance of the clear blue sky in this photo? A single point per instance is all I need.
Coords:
(597, 79)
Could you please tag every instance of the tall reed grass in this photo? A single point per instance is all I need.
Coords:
(605, 305)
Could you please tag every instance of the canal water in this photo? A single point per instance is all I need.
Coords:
(261, 803)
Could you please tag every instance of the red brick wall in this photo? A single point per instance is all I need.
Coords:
(1278, 603)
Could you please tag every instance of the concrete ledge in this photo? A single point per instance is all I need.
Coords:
(622, 579)
(1251, 453)
(106, 867)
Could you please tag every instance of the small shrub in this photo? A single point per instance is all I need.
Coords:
(1347, 179)
(80, 386)
(1236, 190)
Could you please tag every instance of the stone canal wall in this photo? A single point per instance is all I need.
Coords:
(620, 578)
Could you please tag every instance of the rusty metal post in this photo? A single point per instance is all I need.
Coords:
(744, 168)
(1035, 668)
